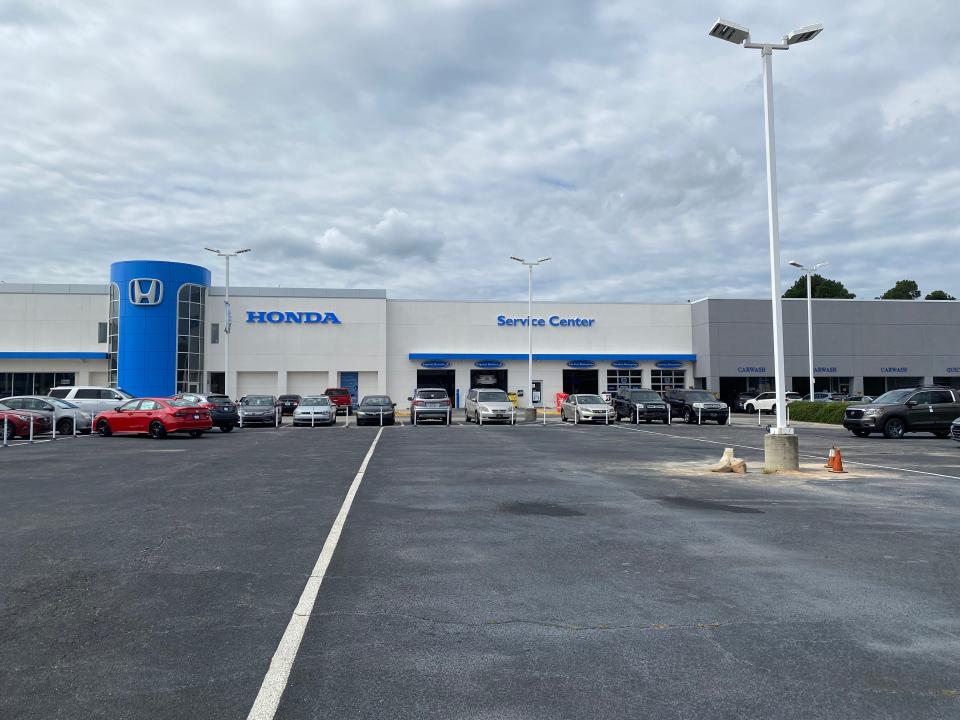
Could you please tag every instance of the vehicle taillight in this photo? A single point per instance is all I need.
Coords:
(208, 405)
(417, 402)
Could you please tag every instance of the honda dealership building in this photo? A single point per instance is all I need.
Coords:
(159, 327)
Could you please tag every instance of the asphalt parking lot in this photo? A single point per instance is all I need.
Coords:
(496, 572)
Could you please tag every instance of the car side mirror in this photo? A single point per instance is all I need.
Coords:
(912, 403)
(118, 408)
(393, 404)
(409, 399)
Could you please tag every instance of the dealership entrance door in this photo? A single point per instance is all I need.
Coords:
(488, 379)
(580, 381)
(445, 379)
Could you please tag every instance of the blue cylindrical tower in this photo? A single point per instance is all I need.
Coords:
(157, 313)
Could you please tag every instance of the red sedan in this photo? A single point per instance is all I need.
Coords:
(155, 416)
(18, 423)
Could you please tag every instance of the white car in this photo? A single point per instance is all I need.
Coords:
(586, 408)
(767, 402)
(483, 405)
(315, 410)
(91, 398)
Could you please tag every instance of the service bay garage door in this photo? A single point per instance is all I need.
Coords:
(256, 383)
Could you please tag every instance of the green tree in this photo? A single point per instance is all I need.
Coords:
(939, 295)
(903, 290)
(820, 287)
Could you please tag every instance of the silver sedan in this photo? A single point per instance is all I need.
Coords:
(315, 410)
(586, 408)
(61, 412)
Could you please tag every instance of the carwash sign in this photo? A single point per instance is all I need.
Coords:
(276, 317)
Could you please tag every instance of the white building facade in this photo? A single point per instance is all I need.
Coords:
(158, 328)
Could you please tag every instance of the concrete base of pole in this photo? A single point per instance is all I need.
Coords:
(526, 414)
(781, 452)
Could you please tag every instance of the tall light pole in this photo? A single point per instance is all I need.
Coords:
(530, 264)
(808, 272)
(739, 35)
(227, 317)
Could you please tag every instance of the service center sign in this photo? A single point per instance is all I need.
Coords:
(552, 321)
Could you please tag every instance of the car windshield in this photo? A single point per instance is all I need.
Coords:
(703, 396)
(317, 401)
(217, 399)
(5, 407)
(180, 402)
(644, 396)
(590, 400)
(492, 396)
(289, 397)
(894, 397)
(432, 394)
(259, 401)
(377, 401)
(63, 404)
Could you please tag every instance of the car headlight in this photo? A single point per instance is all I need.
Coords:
(24, 417)
(872, 412)
(698, 406)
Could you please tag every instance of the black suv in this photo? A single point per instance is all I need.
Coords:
(223, 411)
(637, 405)
(923, 409)
(289, 403)
(697, 405)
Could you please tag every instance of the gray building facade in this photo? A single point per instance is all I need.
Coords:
(860, 346)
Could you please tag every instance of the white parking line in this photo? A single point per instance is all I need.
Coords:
(275, 681)
(808, 455)
(38, 441)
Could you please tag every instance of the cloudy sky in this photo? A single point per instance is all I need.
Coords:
(415, 145)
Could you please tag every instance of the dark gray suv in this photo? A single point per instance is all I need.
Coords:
(923, 409)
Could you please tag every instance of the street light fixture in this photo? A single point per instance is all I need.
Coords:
(808, 272)
(227, 317)
(530, 264)
(739, 35)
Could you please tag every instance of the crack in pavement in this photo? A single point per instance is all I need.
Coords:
(557, 624)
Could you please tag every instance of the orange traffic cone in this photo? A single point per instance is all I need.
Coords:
(837, 466)
(830, 456)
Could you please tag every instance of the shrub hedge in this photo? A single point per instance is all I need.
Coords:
(821, 412)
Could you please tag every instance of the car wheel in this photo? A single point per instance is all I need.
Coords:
(7, 431)
(894, 428)
(157, 430)
(226, 428)
(666, 421)
(748, 409)
(563, 418)
(466, 416)
(861, 433)
(941, 433)
(196, 433)
(687, 416)
(65, 426)
(103, 429)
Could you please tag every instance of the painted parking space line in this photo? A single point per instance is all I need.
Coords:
(275, 682)
(40, 441)
(803, 455)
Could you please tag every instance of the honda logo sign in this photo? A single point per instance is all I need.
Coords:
(146, 291)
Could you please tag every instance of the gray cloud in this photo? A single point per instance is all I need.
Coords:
(405, 145)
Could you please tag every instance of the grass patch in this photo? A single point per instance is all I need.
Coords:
(819, 412)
